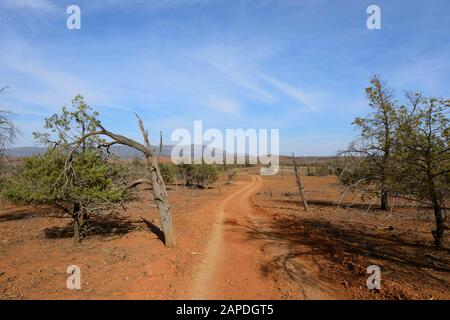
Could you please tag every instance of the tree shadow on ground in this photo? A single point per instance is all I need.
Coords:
(282, 257)
(24, 214)
(350, 247)
(17, 215)
(156, 230)
(342, 204)
(331, 204)
(103, 226)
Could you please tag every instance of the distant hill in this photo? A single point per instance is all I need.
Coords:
(126, 152)
(23, 152)
(120, 151)
(287, 160)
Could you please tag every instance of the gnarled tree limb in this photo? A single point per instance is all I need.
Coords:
(156, 181)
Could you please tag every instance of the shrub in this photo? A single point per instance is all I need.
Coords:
(200, 175)
(168, 172)
(93, 185)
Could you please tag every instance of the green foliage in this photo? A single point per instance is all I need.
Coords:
(320, 169)
(404, 148)
(423, 149)
(67, 127)
(87, 184)
(423, 152)
(375, 142)
(231, 173)
(376, 129)
(200, 175)
(138, 169)
(41, 180)
(354, 171)
(168, 172)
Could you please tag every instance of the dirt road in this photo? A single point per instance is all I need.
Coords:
(238, 241)
(234, 261)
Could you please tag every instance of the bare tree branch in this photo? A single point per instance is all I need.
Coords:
(139, 182)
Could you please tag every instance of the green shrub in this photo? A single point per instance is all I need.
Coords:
(168, 172)
(200, 175)
(40, 180)
(87, 184)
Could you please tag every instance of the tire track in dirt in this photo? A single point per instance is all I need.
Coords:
(232, 265)
(204, 283)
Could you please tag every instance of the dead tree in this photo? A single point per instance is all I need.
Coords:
(8, 129)
(298, 180)
(156, 181)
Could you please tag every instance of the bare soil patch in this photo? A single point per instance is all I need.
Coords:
(123, 257)
(342, 243)
(247, 240)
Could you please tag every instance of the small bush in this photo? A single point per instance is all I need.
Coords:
(168, 172)
(200, 175)
(231, 173)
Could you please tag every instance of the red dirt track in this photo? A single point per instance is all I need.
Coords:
(246, 240)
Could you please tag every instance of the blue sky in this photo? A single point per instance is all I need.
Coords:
(300, 66)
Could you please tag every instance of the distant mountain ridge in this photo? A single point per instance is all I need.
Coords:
(126, 152)
(120, 151)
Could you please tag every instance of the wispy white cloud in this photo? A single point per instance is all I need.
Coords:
(59, 87)
(241, 65)
(423, 73)
(295, 93)
(149, 4)
(238, 65)
(44, 5)
(42, 83)
(223, 105)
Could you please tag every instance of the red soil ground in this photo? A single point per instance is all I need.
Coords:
(241, 241)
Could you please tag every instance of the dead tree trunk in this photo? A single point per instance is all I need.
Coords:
(159, 189)
(162, 201)
(156, 180)
(298, 180)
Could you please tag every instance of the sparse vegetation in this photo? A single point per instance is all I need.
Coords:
(78, 176)
(89, 185)
(94, 187)
(231, 174)
(199, 175)
(423, 153)
(375, 143)
(403, 150)
(8, 129)
(8, 132)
